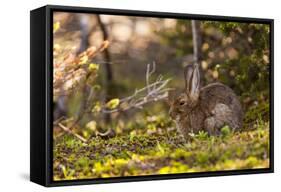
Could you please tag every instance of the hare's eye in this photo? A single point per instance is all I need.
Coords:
(182, 102)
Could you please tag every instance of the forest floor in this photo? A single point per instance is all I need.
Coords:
(151, 154)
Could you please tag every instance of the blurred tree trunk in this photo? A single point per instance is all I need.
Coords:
(84, 45)
(108, 69)
(85, 32)
(109, 75)
(197, 45)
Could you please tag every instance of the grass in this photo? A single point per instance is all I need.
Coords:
(161, 153)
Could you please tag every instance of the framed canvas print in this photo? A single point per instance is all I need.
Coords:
(122, 95)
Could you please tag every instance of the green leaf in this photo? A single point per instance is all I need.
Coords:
(113, 103)
(56, 26)
(92, 125)
(93, 67)
(83, 60)
(96, 108)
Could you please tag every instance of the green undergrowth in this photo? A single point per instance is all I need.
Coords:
(150, 154)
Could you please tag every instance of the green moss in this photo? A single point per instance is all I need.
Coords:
(160, 153)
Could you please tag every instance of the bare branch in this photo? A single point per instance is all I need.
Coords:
(149, 73)
(152, 92)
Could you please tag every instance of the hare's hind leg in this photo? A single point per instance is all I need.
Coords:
(223, 116)
(210, 125)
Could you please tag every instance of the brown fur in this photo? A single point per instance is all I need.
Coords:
(216, 106)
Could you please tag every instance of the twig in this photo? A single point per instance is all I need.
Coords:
(148, 74)
(72, 133)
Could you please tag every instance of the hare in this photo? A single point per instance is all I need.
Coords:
(208, 108)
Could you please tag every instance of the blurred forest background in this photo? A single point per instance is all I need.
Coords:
(111, 77)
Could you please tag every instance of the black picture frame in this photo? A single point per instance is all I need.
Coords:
(41, 94)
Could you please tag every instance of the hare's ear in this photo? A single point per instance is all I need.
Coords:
(192, 82)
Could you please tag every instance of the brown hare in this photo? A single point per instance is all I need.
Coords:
(208, 108)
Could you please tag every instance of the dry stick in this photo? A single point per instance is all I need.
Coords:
(72, 133)
(148, 74)
(197, 45)
(196, 39)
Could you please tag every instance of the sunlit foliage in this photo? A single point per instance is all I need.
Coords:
(122, 127)
(159, 153)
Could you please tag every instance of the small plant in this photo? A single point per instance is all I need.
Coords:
(225, 131)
